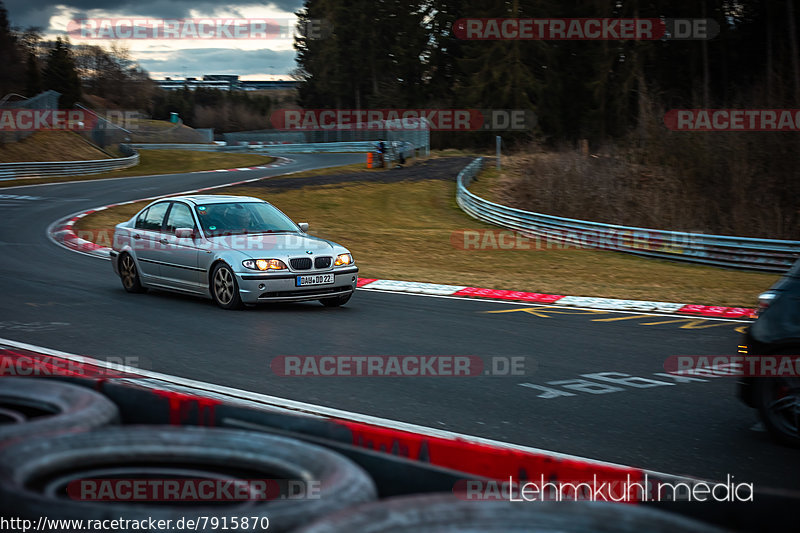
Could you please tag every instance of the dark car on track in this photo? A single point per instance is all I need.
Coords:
(776, 332)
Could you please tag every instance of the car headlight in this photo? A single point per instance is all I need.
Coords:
(343, 259)
(264, 264)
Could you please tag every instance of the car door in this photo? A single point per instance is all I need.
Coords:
(179, 256)
(146, 235)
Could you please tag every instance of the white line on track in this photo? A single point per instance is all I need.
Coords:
(265, 401)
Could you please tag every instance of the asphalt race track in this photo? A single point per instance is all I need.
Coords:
(67, 301)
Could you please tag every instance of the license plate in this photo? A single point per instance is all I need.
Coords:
(318, 279)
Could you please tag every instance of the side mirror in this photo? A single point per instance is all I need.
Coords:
(184, 233)
(303, 226)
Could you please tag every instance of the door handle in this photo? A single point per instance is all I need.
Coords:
(137, 236)
(163, 241)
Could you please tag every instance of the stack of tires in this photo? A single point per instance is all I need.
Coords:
(55, 435)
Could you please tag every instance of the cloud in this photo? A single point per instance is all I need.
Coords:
(199, 61)
(24, 13)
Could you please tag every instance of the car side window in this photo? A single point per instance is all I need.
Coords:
(154, 217)
(180, 216)
(140, 219)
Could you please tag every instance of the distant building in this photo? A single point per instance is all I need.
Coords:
(224, 82)
(263, 85)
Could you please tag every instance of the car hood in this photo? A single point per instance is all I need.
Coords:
(279, 243)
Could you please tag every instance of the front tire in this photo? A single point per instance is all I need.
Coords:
(336, 301)
(224, 289)
(129, 274)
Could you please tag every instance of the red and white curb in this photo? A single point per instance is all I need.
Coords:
(62, 233)
(613, 304)
(281, 161)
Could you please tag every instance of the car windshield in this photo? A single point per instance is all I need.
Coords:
(236, 218)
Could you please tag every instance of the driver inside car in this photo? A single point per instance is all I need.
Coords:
(238, 218)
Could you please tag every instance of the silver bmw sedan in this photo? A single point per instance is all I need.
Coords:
(236, 250)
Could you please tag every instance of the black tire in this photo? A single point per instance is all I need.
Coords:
(34, 474)
(337, 301)
(129, 274)
(440, 513)
(778, 403)
(30, 406)
(224, 288)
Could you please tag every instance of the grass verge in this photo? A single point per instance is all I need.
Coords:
(405, 231)
(153, 162)
(50, 146)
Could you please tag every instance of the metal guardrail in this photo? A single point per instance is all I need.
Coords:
(175, 146)
(393, 150)
(308, 148)
(767, 255)
(296, 148)
(65, 168)
(300, 148)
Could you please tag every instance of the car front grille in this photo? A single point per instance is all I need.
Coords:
(322, 262)
(300, 263)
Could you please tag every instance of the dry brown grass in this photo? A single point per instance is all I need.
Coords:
(50, 146)
(727, 184)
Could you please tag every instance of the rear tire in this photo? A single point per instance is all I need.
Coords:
(224, 289)
(337, 301)
(778, 403)
(129, 274)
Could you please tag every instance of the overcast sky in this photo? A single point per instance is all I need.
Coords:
(250, 58)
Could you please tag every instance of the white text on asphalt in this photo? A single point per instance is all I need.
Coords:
(608, 382)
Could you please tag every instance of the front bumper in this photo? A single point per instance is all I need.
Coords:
(256, 287)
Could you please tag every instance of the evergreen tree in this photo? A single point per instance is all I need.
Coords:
(33, 77)
(61, 75)
(11, 65)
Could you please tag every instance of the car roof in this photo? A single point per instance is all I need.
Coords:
(214, 198)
